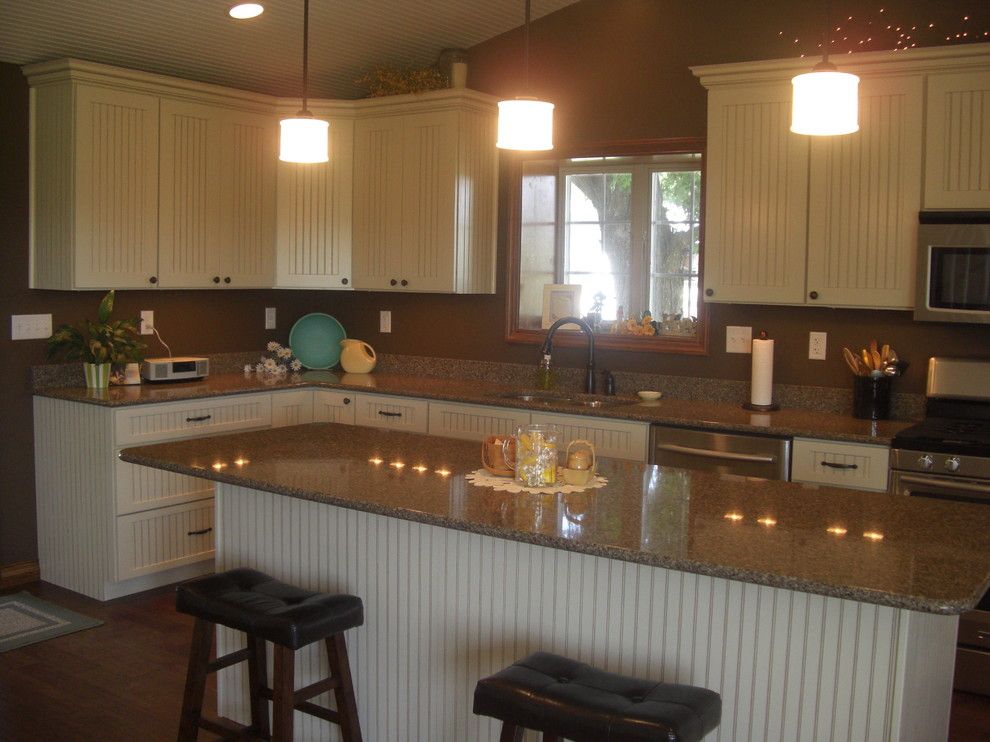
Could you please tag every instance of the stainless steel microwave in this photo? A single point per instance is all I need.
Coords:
(953, 267)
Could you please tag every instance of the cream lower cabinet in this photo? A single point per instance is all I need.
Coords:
(395, 413)
(617, 439)
(331, 406)
(837, 464)
(474, 422)
(107, 528)
(425, 190)
(813, 220)
(292, 408)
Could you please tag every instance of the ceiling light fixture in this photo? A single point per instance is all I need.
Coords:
(525, 123)
(243, 11)
(825, 101)
(303, 138)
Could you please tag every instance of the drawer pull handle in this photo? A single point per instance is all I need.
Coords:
(706, 453)
(833, 465)
(198, 419)
(383, 413)
(199, 533)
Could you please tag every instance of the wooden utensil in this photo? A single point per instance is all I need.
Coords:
(851, 361)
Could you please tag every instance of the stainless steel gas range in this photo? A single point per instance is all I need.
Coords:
(947, 457)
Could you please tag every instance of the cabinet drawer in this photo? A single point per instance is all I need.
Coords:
(292, 408)
(855, 465)
(143, 488)
(616, 439)
(397, 413)
(154, 423)
(333, 407)
(474, 422)
(161, 539)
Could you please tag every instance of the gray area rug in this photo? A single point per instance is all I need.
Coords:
(24, 619)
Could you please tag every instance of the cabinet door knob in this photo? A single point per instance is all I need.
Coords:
(709, 292)
(404, 282)
(392, 282)
(153, 279)
(347, 400)
(216, 279)
(813, 295)
(343, 281)
(226, 279)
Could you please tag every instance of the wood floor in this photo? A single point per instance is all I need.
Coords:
(123, 680)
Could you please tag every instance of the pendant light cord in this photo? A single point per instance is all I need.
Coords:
(305, 110)
(828, 28)
(526, 55)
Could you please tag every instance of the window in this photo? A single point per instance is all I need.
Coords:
(622, 235)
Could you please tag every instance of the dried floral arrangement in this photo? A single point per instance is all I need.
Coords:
(388, 80)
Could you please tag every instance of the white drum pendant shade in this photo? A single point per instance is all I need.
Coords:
(825, 103)
(304, 140)
(525, 124)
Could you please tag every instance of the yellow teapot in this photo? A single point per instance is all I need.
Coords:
(357, 357)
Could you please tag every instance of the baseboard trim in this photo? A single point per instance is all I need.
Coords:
(19, 573)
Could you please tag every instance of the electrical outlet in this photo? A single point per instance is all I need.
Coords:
(817, 345)
(385, 321)
(270, 318)
(147, 321)
(30, 326)
(738, 339)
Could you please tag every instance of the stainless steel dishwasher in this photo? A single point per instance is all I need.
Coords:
(767, 457)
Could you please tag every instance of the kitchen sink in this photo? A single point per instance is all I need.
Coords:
(604, 402)
(537, 397)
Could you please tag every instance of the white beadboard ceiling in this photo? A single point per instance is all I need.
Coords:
(196, 39)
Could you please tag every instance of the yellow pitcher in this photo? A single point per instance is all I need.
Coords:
(357, 357)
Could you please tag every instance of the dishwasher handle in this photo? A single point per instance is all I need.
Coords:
(709, 454)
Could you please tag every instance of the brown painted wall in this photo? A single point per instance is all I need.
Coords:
(617, 69)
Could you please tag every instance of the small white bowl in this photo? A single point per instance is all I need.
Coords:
(650, 396)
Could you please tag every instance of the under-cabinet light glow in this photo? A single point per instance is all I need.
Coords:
(767, 521)
(243, 11)
(734, 517)
(836, 530)
(873, 535)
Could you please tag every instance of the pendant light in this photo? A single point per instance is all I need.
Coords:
(303, 138)
(825, 101)
(525, 123)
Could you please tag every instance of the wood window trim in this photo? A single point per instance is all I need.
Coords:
(696, 345)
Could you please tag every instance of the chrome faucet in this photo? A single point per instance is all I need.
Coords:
(547, 350)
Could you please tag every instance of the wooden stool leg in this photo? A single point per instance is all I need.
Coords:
(257, 682)
(192, 699)
(340, 668)
(283, 690)
(510, 733)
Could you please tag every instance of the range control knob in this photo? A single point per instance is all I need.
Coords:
(926, 462)
(952, 464)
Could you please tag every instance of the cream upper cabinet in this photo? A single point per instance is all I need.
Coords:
(957, 139)
(94, 185)
(756, 201)
(425, 190)
(864, 199)
(313, 243)
(217, 197)
(792, 219)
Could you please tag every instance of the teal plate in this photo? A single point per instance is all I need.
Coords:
(315, 340)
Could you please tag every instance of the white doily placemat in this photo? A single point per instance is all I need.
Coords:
(481, 478)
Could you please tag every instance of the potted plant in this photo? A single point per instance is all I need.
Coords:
(98, 344)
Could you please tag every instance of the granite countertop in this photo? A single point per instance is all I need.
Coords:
(934, 556)
(682, 412)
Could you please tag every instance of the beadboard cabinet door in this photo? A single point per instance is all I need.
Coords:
(864, 198)
(957, 146)
(313, 239)
(292, 408)
(94, 181)
(756, 200)
(377, 246)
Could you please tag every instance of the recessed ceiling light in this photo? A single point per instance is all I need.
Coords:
(241, 11)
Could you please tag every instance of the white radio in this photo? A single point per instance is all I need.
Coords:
(175, 368)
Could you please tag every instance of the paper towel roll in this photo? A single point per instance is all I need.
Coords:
(761, 389)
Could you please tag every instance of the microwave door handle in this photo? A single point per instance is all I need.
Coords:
(708, 454)
(981, 491)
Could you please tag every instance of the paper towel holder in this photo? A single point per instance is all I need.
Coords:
(773, 406)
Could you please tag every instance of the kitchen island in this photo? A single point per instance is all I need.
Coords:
(816, 613)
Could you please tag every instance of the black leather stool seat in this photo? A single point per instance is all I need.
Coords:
(574, 700)
(260, 605)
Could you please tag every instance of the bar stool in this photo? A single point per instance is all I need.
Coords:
(565, 698)
(290, 618)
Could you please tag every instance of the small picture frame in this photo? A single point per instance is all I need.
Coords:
(560, 300)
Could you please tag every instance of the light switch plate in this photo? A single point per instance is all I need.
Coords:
(385, 321)
(738, 339)
(817, 345)
(147, 321)
(270, 317)
(30, 326)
